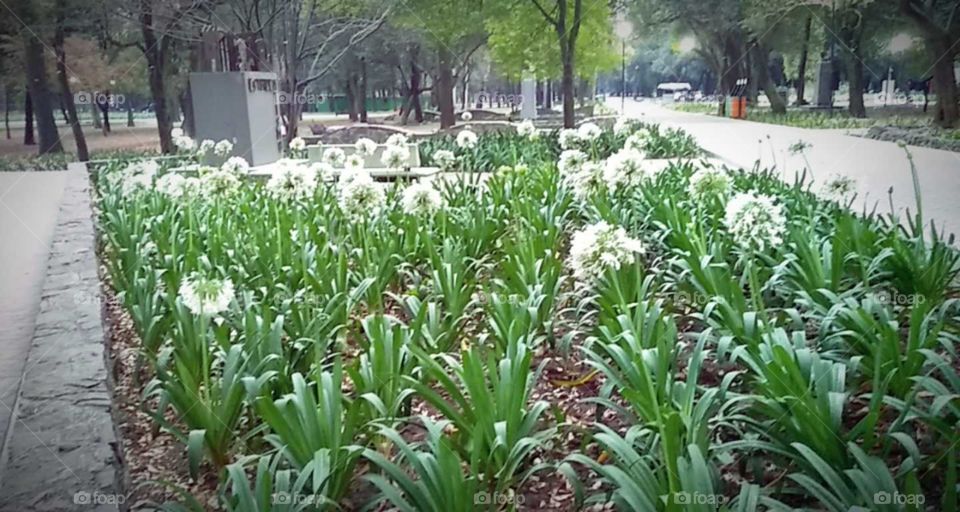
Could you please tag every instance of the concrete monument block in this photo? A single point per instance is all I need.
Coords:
(528, 101)
(240, 107)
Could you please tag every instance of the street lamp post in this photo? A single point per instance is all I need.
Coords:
(623, 29)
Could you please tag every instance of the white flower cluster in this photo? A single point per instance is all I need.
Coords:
(206, 296)
(571, 139)
(839, 188)
(354, 162)
(297, 144)
(217, 182)
(395, 156)
(206, 146)
(421, 199)
(135, 177)
(466, 116)
(183, 143)
(599, 247)
(334, 156)
(223, 148)
(624, 169)
(323, 172)
(709, 182)
(755, 220)
(292, 181)
(527, 129)
(236, 165)
(175, 185)
(466, 139)
(637, 141)
(365, 147)
(444, 158)
(397, 139)
(588, 132)
(361, 197)
(623, 125)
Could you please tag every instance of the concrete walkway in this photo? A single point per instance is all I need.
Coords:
(59, 446)
(29, 202)
(876, 165)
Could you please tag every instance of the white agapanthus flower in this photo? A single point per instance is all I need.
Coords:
(206, 146)
(421, 198)
(365, 147)
(192, 186)
(624, 169)
(622, 125)
(588, 132)
(444, 158)
(297, 144)
(292, 182)
(135, 176)
(354, 162)
(236, 165)
(136, 182)
(586, 181)
(184, 143)
(361, 197)
(599, 247)
(176, 132)
(223, 148)
(395, 156)
(334, 157)
(527, 129)
(709, 182)
(755, 221)
(466, 116)
(206, 296)
(217, 183)
(568, 138)
(172, 184)
(839, 188)
(322, 172)
(637, 141)
(466, 139)
(570, 161)
(397, 139)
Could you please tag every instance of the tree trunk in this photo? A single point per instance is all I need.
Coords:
(95, 114)
(155, 54)
(855, 70)
(349, 86)
(186, 105)
(7, 103)
(548, 96)
(130, 123)
(801, 83)
(944, 84)
(443, 88)
(81, 142)
(761, 64)
(40, 94)
(362, 89)
(28, 138)
(566, 87)
(105, 111)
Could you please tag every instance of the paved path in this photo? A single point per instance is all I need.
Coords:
(59, 452)
(29, 202)
(876, 165)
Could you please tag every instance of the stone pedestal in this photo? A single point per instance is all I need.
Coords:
(240, 107)
(825, 81)
(528, 102)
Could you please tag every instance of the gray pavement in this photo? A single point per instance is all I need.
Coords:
(29, 202)
(875, 165)
(59, 448)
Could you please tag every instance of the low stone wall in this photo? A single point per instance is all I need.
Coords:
(60, 453)
(917, 136)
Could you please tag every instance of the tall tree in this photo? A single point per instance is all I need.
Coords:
(36, 71)
(939, 23)
(59, 40)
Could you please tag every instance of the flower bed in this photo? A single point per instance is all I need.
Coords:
(580, 328)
